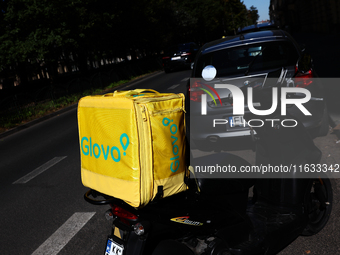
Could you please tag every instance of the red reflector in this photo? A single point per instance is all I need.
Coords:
(303, 80)
(195, 92)
(122, 213)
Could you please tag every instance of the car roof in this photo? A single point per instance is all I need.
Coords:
(257, 27)
(244, 39)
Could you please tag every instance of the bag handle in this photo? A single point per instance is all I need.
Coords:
(118, 93)
(133, 92)
(138, 91)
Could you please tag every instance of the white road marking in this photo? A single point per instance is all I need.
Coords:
(64, 234)
(185, 79)
(39, 170)
(173, 86)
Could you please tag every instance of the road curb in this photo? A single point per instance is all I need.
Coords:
(71, 107)
(36, 121)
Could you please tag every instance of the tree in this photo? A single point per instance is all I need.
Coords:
(253, 14)
(36, 33)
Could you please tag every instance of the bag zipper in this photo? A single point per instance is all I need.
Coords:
(145, 151)
(179, 109)
(144, 114)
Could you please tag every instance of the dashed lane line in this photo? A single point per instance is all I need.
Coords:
(58, 240)
(39, 170)
(173, 86)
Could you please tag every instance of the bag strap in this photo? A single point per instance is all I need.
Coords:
(160, 193)
(191, 171)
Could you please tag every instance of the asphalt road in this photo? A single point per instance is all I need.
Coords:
(41, 189)
(42, 210)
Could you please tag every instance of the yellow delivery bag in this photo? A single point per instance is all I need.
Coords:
(132, 144)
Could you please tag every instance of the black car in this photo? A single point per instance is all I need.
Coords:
(179, 56)
(258, 27)
(249, 60)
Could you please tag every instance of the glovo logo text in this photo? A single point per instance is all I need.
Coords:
(92, 149)
(175, 150)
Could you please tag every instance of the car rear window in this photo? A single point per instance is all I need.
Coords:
(256, 57)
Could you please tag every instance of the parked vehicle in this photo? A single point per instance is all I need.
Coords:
(215, 216)
(258, 27)
(243, 60)
(179, 56)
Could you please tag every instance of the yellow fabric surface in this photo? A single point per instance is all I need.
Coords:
(131, 142)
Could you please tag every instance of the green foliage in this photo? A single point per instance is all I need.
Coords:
(253, 14)
(40, 30)
(10, 119)
(36, 34)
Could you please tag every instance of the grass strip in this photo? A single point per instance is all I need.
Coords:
(18, 116)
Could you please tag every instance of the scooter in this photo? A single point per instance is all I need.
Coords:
(218, 217)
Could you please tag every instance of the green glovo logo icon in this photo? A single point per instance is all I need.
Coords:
(175, 150)
(93, 149)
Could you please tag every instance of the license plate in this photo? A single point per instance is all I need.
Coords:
(113, 248)
(175, 58)
(237, 121)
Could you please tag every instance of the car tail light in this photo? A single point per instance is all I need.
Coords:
(195, 92)
(122, 213)
(187, 55)
(165, 57)
(303, 80)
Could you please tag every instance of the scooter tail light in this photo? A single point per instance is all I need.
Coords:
(122, 213)
(109, 214)
(303, 80)
(139, 229)
(195, 92)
